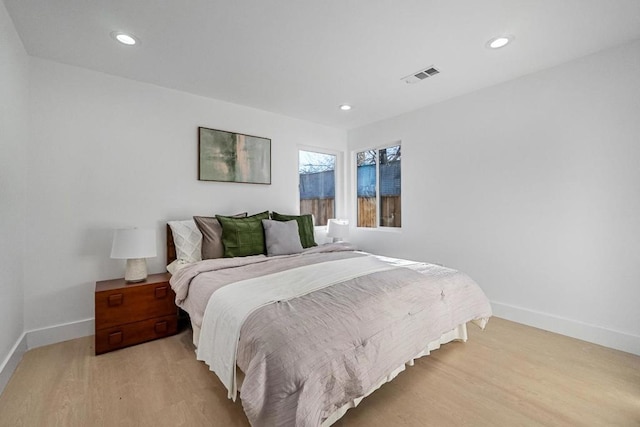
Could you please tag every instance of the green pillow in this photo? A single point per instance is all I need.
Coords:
(243, 236)
(305, 227)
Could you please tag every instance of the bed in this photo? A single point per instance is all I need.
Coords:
(306, 336)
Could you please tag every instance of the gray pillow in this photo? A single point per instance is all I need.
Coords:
(281, 237)
(211, 230)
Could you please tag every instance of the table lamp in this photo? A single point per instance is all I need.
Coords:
(134, 245)
(338, 229)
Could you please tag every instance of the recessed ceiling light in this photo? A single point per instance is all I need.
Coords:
(500, 41)
(124, 38)
(345, 107)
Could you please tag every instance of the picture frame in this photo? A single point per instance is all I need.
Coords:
(233, 157)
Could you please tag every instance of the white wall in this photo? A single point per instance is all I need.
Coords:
(108, 152)
(532, 187)
(13, 142)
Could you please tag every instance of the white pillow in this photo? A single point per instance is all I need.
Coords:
(177, 265)
(187, 239)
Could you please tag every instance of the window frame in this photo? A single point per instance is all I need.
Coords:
(354, 178)
(338, 208)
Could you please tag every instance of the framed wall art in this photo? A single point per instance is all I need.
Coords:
(233, 157)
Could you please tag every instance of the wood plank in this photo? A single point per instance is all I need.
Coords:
(322, 209)
(509, 374)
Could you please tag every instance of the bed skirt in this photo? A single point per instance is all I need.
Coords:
(458, 333)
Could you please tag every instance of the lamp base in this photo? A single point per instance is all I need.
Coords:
(136, 270)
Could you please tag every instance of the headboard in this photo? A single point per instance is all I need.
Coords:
(171, 247)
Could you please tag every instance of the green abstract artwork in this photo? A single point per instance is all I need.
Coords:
(233, 157)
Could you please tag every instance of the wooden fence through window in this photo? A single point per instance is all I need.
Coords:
(391, 215)
(321, 209)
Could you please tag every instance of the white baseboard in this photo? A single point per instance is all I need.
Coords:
(10, 363)
(41, 337)
(58, 333)
(572, 328)
(595, 334)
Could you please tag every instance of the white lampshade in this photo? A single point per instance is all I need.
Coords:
(338, 229)
(132, 243)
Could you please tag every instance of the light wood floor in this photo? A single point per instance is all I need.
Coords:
(507, 375)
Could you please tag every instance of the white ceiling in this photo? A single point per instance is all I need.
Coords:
(304, 58)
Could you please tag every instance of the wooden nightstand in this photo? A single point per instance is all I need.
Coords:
(132, 313)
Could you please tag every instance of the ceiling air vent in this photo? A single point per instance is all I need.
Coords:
(421, 75)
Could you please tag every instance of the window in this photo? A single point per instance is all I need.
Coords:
(379, 187)
(317, 174)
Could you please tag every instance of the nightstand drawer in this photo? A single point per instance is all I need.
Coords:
(135, 333)
(127, 305)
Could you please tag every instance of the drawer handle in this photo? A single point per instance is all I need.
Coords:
(161, 292)
(161, 327)
(115, 299)
(115, 338)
